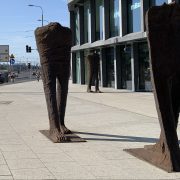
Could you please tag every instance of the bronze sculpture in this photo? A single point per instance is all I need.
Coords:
(93, 61)
(163, 32)
(54, 46)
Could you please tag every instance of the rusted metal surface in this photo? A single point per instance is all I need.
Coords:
(163, 32)
(54, 45)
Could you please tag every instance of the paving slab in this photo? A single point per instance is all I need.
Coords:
(110, 122)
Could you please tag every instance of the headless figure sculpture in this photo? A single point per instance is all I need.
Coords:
(93, 71)
(163, 31)
(54, 45)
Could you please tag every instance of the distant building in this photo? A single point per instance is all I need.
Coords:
(116, 29)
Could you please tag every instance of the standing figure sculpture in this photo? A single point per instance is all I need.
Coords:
(93, 61)
(163, 28)
(54, 45)
(163, 32)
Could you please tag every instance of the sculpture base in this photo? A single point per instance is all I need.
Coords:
(72, 138)
(155, 158)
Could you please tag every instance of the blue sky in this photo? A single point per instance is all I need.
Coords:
(18, 22)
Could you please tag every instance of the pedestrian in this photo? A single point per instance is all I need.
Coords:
(12, 77)
(38, 74)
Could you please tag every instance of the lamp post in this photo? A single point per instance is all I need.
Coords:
(28, 30)
(31, 5)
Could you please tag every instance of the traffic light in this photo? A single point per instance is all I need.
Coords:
(28, 49)
(29, 65)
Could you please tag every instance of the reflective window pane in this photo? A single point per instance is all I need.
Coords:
(77, 29)
(110, 67)
(134, 16)
(78, 68)
(87, 22)
(126, 73)
(159, 2)
(144, 69)
(114, 18)
(99, 19)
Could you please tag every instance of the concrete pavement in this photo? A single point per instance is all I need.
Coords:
(110, 122)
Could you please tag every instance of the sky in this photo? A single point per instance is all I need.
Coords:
(18, 22)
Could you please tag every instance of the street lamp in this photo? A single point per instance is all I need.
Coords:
(28, 36)
(43, 20)
(28, 31)
(31, 5)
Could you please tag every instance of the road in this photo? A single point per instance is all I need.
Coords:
(24, 76)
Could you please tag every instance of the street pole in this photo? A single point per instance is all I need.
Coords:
(42, 18)
(30, 73)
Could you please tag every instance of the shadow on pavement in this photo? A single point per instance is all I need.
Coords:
(118, 138)
(103, 92)
(28, 93)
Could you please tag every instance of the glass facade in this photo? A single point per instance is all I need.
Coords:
(133, 16)
(131, 11)
(99, 19)
(78, 68)
(110, 78)
(86, 52)
(158, 2)
(87, 21)
(77, 28)
(144, 69)
(114, 18)
(126, 79)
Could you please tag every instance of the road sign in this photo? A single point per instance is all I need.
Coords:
(4, 49)
(12, 61)
(4, 57)
(4, 53)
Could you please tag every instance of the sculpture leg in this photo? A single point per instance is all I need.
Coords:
(167, 145)
(162, 24)
(97, 83)
(175, 104)
(62, 91)
(49, 83)
(176, 98)
(90, 82)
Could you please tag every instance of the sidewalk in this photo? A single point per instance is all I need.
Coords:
(110, 122)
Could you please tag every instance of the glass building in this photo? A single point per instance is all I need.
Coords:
(116, 29)
(87, 22)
